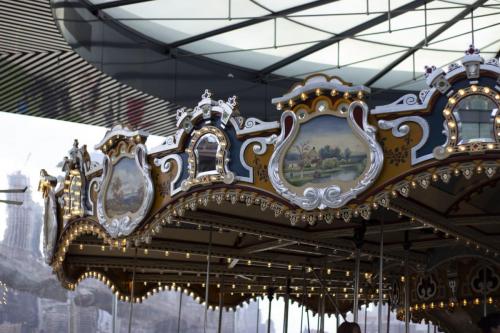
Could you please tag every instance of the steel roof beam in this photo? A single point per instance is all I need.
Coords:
(343, 35)
(423, 42)
(118, 3)
(249, 22)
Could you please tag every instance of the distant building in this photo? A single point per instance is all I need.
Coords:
(24, 223)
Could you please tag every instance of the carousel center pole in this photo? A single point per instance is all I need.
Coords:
(132, 293)
(207, 281)
(381, 277)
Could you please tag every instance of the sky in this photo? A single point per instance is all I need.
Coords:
(32, 143)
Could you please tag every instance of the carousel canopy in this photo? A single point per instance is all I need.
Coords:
(338, 204)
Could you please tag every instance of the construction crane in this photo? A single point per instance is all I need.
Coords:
(13, 202)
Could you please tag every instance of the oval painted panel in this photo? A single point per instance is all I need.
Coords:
(325, 151)
(125, 191)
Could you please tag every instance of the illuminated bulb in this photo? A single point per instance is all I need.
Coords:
(452, 100)
(289, 267)
(81, 246)
(249, 262)
(446, 112)
(486, 90)
(269, 264)
(233, 286)
(146, 251)
(102, 248)
(473, 88)
(329, 271)
(303, 96)
(347, 273)
(318, 92)
(228, 260)
(167, 253)
(451, 124)
(188, 255)
(461, 92)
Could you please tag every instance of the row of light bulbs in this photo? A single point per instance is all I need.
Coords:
(450, 305)
(318, 92)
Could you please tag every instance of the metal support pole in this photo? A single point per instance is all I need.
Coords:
(308, 325)
(485, 295)
(270, 293)
(334, 303)
(381, 277)
(301, 317)
(221, 297)
(407, 245)
(258, 314)
(207, 281)
(366, 310)
(114, 311)
(318, 314)
(322, 326)
(132, 293)
(179, 313)
(287, 301)
(388, 316)
(356, 286)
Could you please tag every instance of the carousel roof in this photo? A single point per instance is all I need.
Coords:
(297, 38)
(230, 208)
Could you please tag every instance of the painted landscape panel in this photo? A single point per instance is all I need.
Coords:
(126, 189)
(324, 151)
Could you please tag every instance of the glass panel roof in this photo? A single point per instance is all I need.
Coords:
(270, 36)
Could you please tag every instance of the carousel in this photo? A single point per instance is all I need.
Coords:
(337, 205)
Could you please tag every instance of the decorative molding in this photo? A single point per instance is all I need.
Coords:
(452, 125)
(165, 165)
(259, 148)
(46, 186)
(221, 172)
(124, 224)
(321, 82)
(400, 129)
(329, 196)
